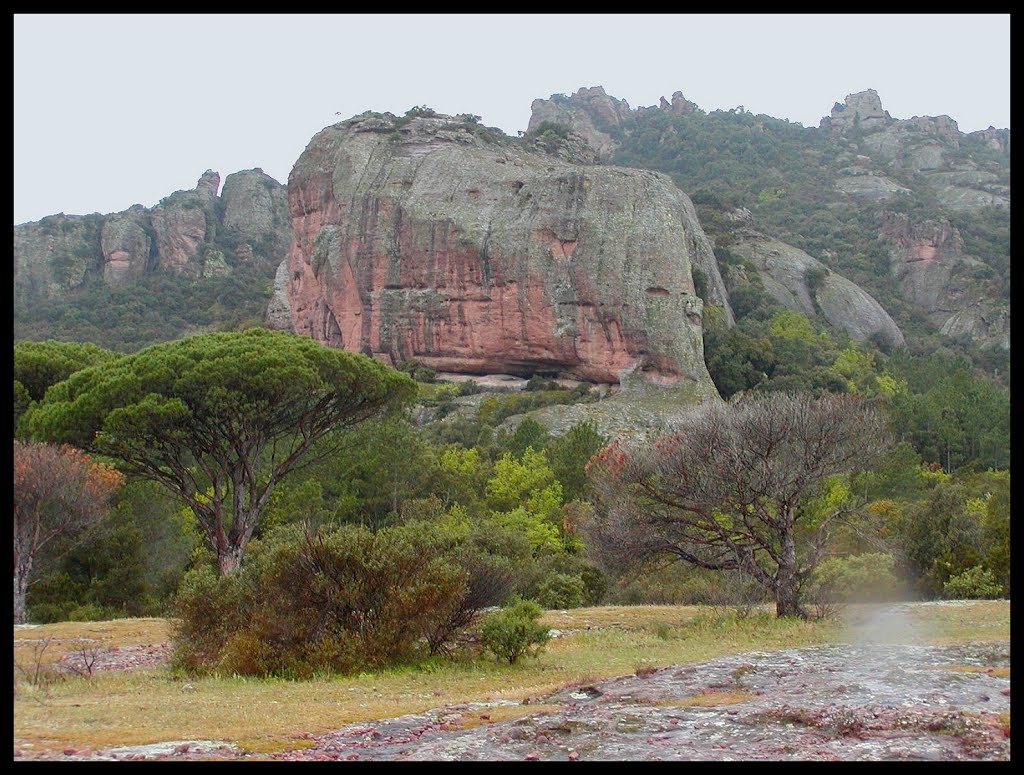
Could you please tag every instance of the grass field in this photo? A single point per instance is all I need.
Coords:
(262, 715)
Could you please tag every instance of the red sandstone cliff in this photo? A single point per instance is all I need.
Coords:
(433, 239)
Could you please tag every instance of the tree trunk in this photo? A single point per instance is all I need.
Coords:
(20, 586)
(229, 558)
(787, 601)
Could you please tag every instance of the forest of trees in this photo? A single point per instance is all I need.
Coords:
(514, 505)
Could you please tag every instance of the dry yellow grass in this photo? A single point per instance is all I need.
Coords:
(68, 637)
(982, 619)
(1002, 672)
(148, 706)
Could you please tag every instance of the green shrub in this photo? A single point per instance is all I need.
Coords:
(514, 632)
(206, 611)
(417, 371)
(91, 612)
(497, 408)
(490, 579)
(308, 603)
(973, 583)
(562, 590)
(537, 382)
(47, 613)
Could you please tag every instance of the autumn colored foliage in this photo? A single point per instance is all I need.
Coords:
(58, 492)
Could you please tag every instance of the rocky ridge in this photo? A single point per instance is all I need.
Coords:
(195, 233)
(927, 146)
(531, 247)
(960, 172)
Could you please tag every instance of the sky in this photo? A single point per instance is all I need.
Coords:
(114, 110)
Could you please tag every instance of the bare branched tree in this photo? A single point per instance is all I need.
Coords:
(736, 487)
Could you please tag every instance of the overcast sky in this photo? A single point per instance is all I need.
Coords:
(113, 110)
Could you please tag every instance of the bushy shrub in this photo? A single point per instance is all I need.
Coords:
(562, 590)
(513, 632)
(974, 583)
(417, 371)
(322, 602)
(497, 408)
(206, 611)
(489, 582)
(676, 583)
(537, 382)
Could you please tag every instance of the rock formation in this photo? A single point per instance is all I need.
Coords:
(194, 232)
(800, 282)
(591, 113)
(860, 110)
(55, 254)
(180, 222)
(927, 259)
(256, 214)
(417, 238)
(927, 146)
(125, 242)
(679, 106)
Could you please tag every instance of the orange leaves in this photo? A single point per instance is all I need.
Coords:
(610, 460)
(60, 485)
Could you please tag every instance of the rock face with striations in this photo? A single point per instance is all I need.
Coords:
(427, 239)
(180, 222)
(55, 254)
(256, 214)
(126, 244)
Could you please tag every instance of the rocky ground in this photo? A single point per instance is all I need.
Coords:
(868, 700)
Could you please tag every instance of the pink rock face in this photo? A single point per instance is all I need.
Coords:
(921, 251)
(923, 241)
(475, 261)
(923, 256)
(125, 244)
(478, 325)
(117, 264)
